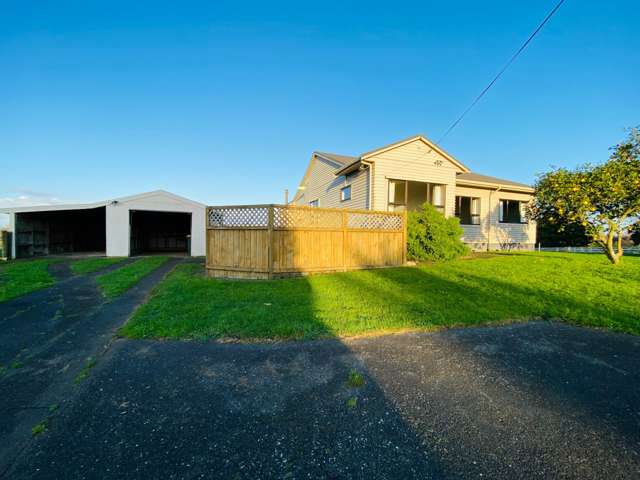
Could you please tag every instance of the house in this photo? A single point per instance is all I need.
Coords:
(147, 223)
(405, 174)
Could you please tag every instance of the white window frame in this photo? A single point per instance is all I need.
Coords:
(343, 197)
(474, 207)
(314, 203)
(521, 209)
(432, 188)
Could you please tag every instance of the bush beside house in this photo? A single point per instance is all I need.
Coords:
(432, 236)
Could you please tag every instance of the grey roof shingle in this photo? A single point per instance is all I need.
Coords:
(476, 177)
(341, 159)
(345, 161)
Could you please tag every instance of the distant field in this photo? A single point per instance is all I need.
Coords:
(579, 288)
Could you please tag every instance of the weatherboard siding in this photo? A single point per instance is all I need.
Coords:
(414, 161)
(490, 229)
(323, 185)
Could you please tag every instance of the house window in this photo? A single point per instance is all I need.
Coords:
(468, 210)
(512, 211)
(410, 195)
(314, 203)
(436, 197)
(397, 195)
(345, 193)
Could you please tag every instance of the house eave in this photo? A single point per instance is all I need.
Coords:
(493, 186)
(352, 167)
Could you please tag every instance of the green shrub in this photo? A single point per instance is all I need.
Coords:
(431, 236)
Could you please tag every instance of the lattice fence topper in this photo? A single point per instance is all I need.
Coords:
(291, 217)
(374, 221)
(239, 217)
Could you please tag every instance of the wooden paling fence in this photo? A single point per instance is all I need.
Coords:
(269, 241)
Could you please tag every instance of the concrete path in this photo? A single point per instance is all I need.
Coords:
(536, 400)
(47, 338)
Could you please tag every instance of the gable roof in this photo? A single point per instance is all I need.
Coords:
(413, 138)
(347, 164)
(368, 156)
(162, 193)
(103, 203)
(475, 179)
(341, 160)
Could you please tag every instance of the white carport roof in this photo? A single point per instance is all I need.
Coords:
(84, 206)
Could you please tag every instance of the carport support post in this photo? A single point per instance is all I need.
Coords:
(270, 242)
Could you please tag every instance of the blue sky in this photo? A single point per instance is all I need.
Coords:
(224, 102)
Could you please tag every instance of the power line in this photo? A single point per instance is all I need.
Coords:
(507, 65)
(515, 55)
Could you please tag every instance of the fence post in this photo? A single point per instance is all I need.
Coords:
(345, 250)
(270, 242)
(404, 237)
(207, 255)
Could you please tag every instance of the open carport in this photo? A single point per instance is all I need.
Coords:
(160, 232)
(148, 223)
(60, 231)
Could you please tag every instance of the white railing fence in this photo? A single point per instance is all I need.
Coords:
(635, 250)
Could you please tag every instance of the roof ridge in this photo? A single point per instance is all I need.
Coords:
(337, 157)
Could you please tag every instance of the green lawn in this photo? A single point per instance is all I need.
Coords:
(88, 265)
(583, 289)
(119, 281)
(23, 276)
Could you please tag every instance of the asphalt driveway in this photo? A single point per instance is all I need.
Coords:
(47, 339)
(536, 400)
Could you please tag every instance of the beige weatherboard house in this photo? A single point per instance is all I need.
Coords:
(405, 174)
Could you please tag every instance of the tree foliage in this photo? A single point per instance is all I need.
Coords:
(605, 198)
(431, 236)
(562, 234)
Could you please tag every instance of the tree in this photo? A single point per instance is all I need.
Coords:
(605, 198)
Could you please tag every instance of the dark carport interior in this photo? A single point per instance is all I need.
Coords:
(60, 231)
(160, 232)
